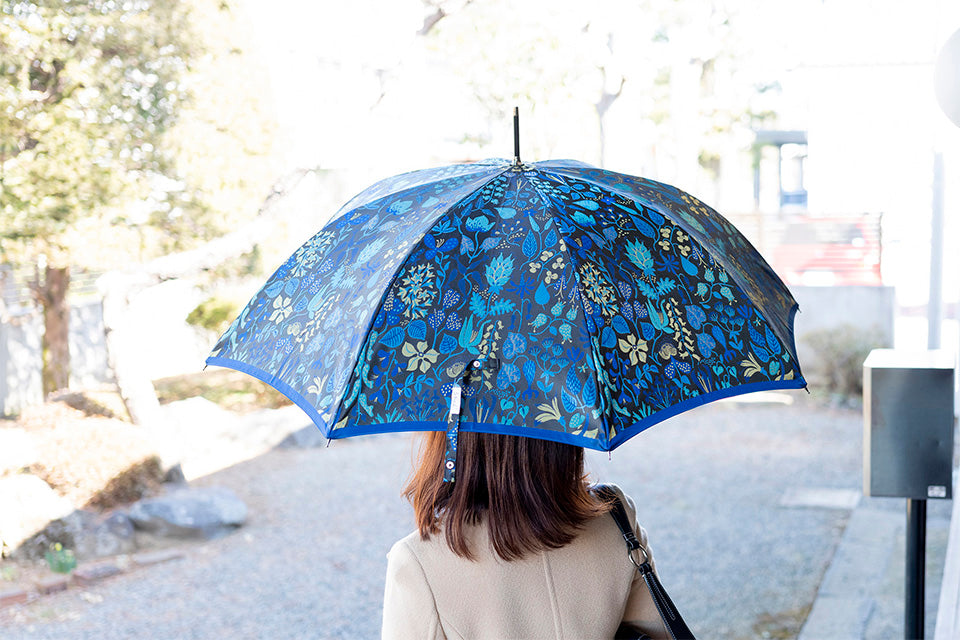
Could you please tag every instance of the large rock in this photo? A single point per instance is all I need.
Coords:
(110, 537)
(27, 505)
(190, 513)
(67, 531)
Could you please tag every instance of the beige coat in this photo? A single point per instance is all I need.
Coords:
(579, 592)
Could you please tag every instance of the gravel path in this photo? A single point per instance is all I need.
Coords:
(311, 560)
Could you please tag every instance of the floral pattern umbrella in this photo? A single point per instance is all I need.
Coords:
(585, 305)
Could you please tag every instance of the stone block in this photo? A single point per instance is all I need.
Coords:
(52, 584)
(149, 558)
(10, 597)
(91, 573)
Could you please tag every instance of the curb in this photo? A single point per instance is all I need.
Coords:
(86, 576)
(948, 609)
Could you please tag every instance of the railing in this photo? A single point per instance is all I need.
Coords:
(16, 283)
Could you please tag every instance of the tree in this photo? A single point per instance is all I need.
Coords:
(89, 90)
(104, 140)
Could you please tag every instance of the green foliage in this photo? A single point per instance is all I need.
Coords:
(838, 355)
(230, 389)
(60, 560)
(214, 314)
(124, 131)
(89, 91)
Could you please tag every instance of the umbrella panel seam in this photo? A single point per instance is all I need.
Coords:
(579, 288)
(341, 407)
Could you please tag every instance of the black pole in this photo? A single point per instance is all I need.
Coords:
(916, 563)
(516, 136)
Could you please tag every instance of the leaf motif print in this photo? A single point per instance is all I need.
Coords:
(551, 238)
(695, 316)
(529, 371)
(281, 309)
(479, 223)
(573, 382)
(499, 271)
(514, 345)
(772, 341)
(530, 245)
(509, 375)
(417, 290)
(750, 366)
(576, 422)
(549, 412)
(640, 256)
(589, 391)
(393, 337)
(501, 307)
(705, 344)
(584, 219)
(597, 289)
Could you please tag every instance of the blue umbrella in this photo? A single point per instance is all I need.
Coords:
(552, 300)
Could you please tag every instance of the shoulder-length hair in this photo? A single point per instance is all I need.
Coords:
(533, 493)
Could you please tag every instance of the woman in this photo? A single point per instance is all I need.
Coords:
(517, 547)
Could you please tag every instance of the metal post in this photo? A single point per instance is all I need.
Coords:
(935, 304)
(916, 563)
(516, 136)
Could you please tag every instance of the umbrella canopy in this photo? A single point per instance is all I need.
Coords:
(586, 305)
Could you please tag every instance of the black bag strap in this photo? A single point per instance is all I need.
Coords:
(668, 611)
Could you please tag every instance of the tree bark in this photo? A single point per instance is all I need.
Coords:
(56, 329)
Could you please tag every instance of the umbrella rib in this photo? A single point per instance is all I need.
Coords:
(583, 310)
(453, 205)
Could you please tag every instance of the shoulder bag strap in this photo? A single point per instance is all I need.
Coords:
(671, 617)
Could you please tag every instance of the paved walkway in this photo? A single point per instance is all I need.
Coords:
(862, 592)
(753, 513)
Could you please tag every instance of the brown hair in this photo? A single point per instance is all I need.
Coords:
(533, 492)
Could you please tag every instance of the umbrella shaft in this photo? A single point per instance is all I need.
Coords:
(516, 136)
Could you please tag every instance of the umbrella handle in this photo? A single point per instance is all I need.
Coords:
(453, 433)
(453, 418)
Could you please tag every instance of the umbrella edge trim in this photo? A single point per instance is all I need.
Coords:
(292, 394)
(693, 403)
(475, 427)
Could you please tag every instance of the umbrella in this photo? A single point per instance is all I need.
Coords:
(552, 299)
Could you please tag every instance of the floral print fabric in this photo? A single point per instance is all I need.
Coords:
(571, 303)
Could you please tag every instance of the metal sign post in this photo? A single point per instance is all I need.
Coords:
(908, 449)
(916, 564)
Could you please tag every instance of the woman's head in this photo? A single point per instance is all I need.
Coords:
(533, 493)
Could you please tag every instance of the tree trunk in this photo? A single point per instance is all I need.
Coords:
(56, 329)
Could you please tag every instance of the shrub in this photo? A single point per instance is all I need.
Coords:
(838, 354)
(214, 314)
(60, 560)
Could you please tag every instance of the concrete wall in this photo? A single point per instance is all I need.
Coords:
(868, 308)
(20, 363)
(825, 307)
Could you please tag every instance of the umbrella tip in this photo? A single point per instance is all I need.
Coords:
(516, 136)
